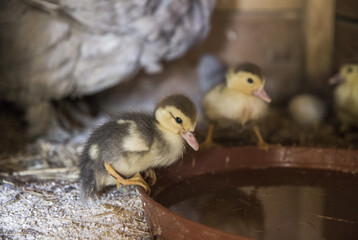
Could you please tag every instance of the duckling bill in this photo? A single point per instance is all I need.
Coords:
(134, 143)
(241, 98)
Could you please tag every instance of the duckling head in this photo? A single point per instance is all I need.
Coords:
(247, 79)
(177, 114)
(348, 73)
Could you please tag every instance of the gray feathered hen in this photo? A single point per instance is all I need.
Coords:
(51, 49)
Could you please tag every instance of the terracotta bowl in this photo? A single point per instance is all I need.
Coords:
(167, 225)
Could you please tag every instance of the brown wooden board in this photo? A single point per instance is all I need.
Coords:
(346, 44)
(319, 34)
(348, 8)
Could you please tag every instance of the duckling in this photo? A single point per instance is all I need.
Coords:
(240, 98)
(134, 143)
(346, 95)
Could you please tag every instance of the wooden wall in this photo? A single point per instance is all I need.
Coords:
(346, 32)
(292, 40)
(319, 38)
(268, 33)
(348, 9)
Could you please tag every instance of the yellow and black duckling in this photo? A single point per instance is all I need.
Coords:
(134, 143)
(346, 95)
(241, 98)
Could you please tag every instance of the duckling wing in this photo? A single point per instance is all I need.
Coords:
(139, 134)
(124, 133)
(211, 72)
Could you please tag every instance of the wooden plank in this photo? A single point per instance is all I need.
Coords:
(259, 5)
(347, 8)
(319, 36)
(346, 44)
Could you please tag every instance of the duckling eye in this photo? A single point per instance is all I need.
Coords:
(349, 70)
(178, 120)
(250, 80)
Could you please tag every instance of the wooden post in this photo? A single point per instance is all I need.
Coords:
(319, 39)
(346, 32)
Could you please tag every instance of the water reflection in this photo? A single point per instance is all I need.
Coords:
(270, 204)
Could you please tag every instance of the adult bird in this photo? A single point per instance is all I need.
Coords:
(51, 50)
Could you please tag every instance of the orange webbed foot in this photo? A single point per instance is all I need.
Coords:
(137, 179)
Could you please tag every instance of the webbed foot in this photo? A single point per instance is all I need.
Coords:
(137, 179)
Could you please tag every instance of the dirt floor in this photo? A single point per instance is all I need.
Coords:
(279, 129)
(39, 193)
(52, 210)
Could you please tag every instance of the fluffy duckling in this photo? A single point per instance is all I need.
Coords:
(134, 143)
(346, 95)
(240, 98)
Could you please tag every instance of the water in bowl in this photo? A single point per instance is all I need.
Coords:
(275, 203)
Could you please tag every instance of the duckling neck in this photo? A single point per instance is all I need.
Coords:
(169, 135)
(173, 143)
(173, 139)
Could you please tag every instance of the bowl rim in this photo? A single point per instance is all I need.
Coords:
(224, 159)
